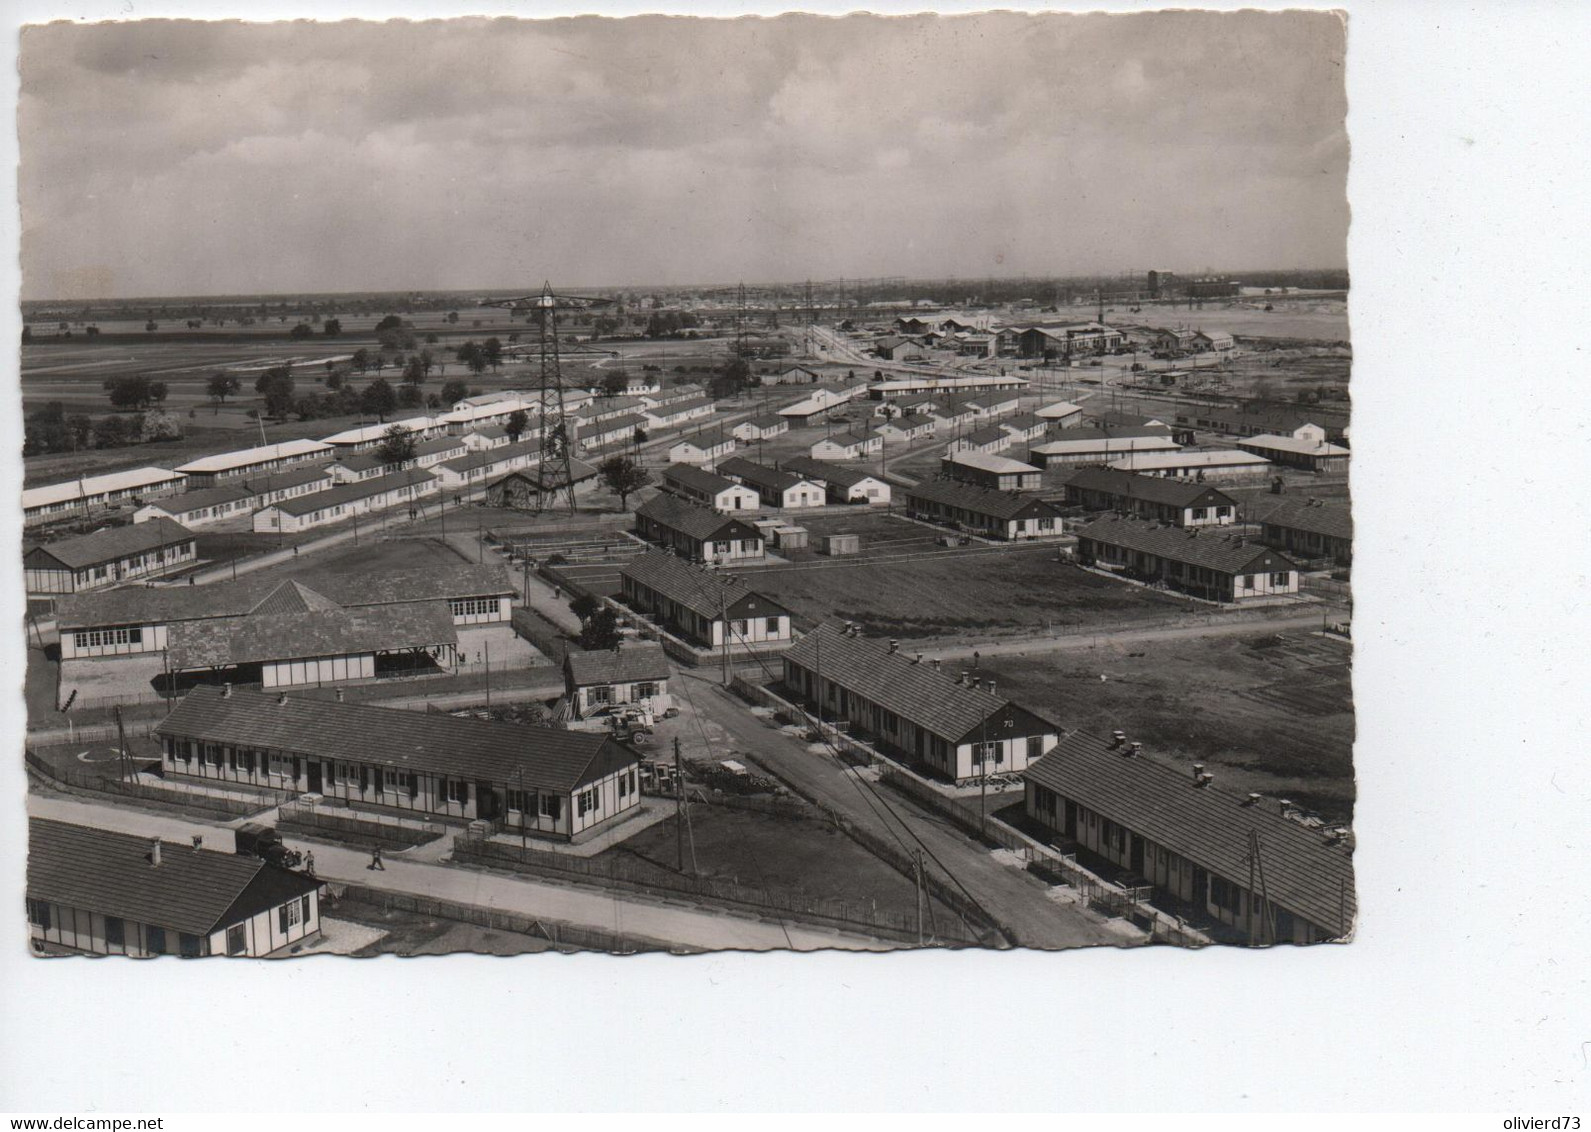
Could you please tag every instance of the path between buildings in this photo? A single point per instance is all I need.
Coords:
(623, 915)
(1016, 898)
(1018, 646)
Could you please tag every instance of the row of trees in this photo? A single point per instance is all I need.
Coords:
(52, 429)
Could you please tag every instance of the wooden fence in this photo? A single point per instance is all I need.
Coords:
(162, 796)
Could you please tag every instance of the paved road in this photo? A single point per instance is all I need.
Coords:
(1004, 646)
(688, 927)
(1016, 898)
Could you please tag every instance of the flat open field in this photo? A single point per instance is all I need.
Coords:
(926, 593)
(1270, 713)
(802, 857)
(1319, 319)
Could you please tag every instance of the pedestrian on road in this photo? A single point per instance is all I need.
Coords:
(375, 860)
(309, 863)
(295, 552)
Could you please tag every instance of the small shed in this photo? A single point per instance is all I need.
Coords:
(791, 538)
(842, 544)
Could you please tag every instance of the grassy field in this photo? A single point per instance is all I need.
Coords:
(1316, 318)
(987, 591)
(1264, 712)
(776, 854)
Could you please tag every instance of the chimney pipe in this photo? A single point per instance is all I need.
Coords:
(1253, 798)
(281, 699)
(339, 695)
(1135, 750)
(894, 646)
(919, 659)
(991, 687)
(1286, 804)
(154, 853)
(226, 690)
(1198, 771)
(936, 664)
(1117, 738)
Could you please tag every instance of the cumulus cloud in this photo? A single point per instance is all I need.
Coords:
(174, 157)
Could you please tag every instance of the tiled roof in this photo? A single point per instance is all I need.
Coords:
(916, 692)
(1103, 433)
(194, 891)
(758, 475)
(1022, 422)
(190, 501)
(990, 434)
(767, 420)
(352, 492)
(1190, 458)
(428, 742)
(1004, 505)
(697, 479)
(702, 591)
(1230, 554)
(291, 597)
(848, 439)
(1058, 409)
(1292, 444)
(691, 519)
(112, 543)
(631, 662)
(442, 444)
(675, 408)
(1302, 515)
(824, 472)
(488, 457)
(1151, 489)
(706, 438)
(154, 605)
(315, 632)
(277, 481)
(1304, 873)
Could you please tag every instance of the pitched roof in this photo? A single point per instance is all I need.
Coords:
(909, 422)
(705, 438)
(632, 661)
(758, 475)
(277, 481)
(292, 597)
(190, 501)
(1022, 422)
(1293, 444)
(822, 471)
(1303, 515)
(916, 692)
(675, 408)
(697, 479)
(153, 605)
(1006, 505)
(193, 891)
(1190, 458)
(429, 742)
(243, 457)
(1304, 873)
(1230, 554)
(490, 456)
(705, 592)
(312, 632)
(766, 420)
(847, 439)
(1111, 432)
(352, 492)
(627, 422)
(112, 543)
(1151, 489)
(988, 462)
(130, 479)
(989, 434)
(1058, 409)
(442, 444)
(689, 518)
(366, 433)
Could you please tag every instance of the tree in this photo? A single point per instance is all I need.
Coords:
(623, 476)
(453, 392)
(414, 372)
(397, 447)
(615, 383)
(732, 380)
(410, 397)
(391, 322)
(336, 378)
(378, 399)
(472, 355)
(134, 392)
(302, 330)
(427, 360)
(332, 326)
(585, 606)
(158, 425)
(516, 424)
(361, 359)
(151, 325)
(275, 385)
(220, 387)
(492, 353)
(601, 631)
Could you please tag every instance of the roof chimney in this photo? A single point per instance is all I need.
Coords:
(936, 663)
(154, 853)
(1198, 771)
(339, 695)
(991, 687)
(918, 659)
(226, 690)
(1286, 804)
(1117, 738)
(894, 646)
(281, 699)
(1253, 799)
(1134, 750)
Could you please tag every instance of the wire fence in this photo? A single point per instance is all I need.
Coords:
(148, 792)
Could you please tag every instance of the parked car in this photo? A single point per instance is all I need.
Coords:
(255, 839)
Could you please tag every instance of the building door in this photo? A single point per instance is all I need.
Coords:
(1201, 889)
(1070, 827)
(314, 776)
(1136, 860)
(485, 801)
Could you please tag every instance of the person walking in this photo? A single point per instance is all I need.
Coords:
(309, 863)
(375, 860)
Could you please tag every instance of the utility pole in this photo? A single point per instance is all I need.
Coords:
(723, 615)
(487, 646)
(524, 815)
(917, 871)
(679, 808)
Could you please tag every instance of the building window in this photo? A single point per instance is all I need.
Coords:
(100, 638)
(237, 939)
(1249, 581)
(457, 790)
(601, 694)
(645, 691)
(278, 766)
(1280, 578)
(189, 945)
(551, 806)
(740, 628)
(212, 754)
(288, 916)
(1201, 512)
(394, 780)
(473, 606)
(115, 932)
(521, 801)
(721, 547)
(1035, 747)
(39, 914)
(771, 625)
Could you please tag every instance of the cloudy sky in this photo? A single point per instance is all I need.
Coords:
(189, 158)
